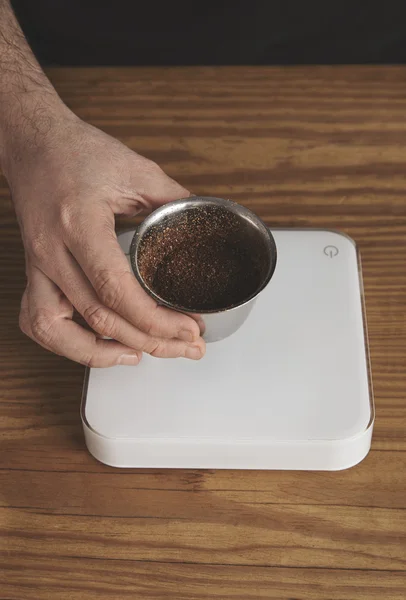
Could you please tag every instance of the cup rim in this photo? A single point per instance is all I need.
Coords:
(175, 206)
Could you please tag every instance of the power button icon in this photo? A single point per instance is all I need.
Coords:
(331, 251)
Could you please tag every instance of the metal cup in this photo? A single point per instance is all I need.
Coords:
(248, 230)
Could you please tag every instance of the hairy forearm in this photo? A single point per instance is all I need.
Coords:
(29, 105)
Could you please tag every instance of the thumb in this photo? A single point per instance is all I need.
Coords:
(164, 189)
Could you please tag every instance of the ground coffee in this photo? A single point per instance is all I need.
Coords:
(200, 260)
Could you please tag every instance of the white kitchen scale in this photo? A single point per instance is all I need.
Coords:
(289, 390)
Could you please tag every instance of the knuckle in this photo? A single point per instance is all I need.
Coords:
(153, 172)
(152, 167)
(39, 246)
(67, 215)
(90, 361)
(42, 327)
(156, 348)
(101, 320)
(109, 287)
(148, 323)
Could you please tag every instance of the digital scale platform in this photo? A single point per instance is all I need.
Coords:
(289, 390)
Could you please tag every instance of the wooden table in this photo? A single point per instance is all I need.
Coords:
(318, 147)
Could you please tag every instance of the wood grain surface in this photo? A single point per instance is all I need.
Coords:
(318, 147)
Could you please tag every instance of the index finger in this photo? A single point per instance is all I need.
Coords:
(46, 317)
(107, 268)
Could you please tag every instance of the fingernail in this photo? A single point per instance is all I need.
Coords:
(128, 359)
(193, 352)
(186, 336)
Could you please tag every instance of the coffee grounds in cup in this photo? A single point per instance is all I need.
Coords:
(199, 260)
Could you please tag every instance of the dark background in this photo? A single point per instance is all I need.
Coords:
(129, 32)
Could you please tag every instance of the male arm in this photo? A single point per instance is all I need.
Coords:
(68, 180)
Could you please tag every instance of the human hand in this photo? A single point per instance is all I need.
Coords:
(67, 191)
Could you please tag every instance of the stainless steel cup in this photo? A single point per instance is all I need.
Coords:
(249, 230)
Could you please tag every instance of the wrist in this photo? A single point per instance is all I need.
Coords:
(28, 127)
